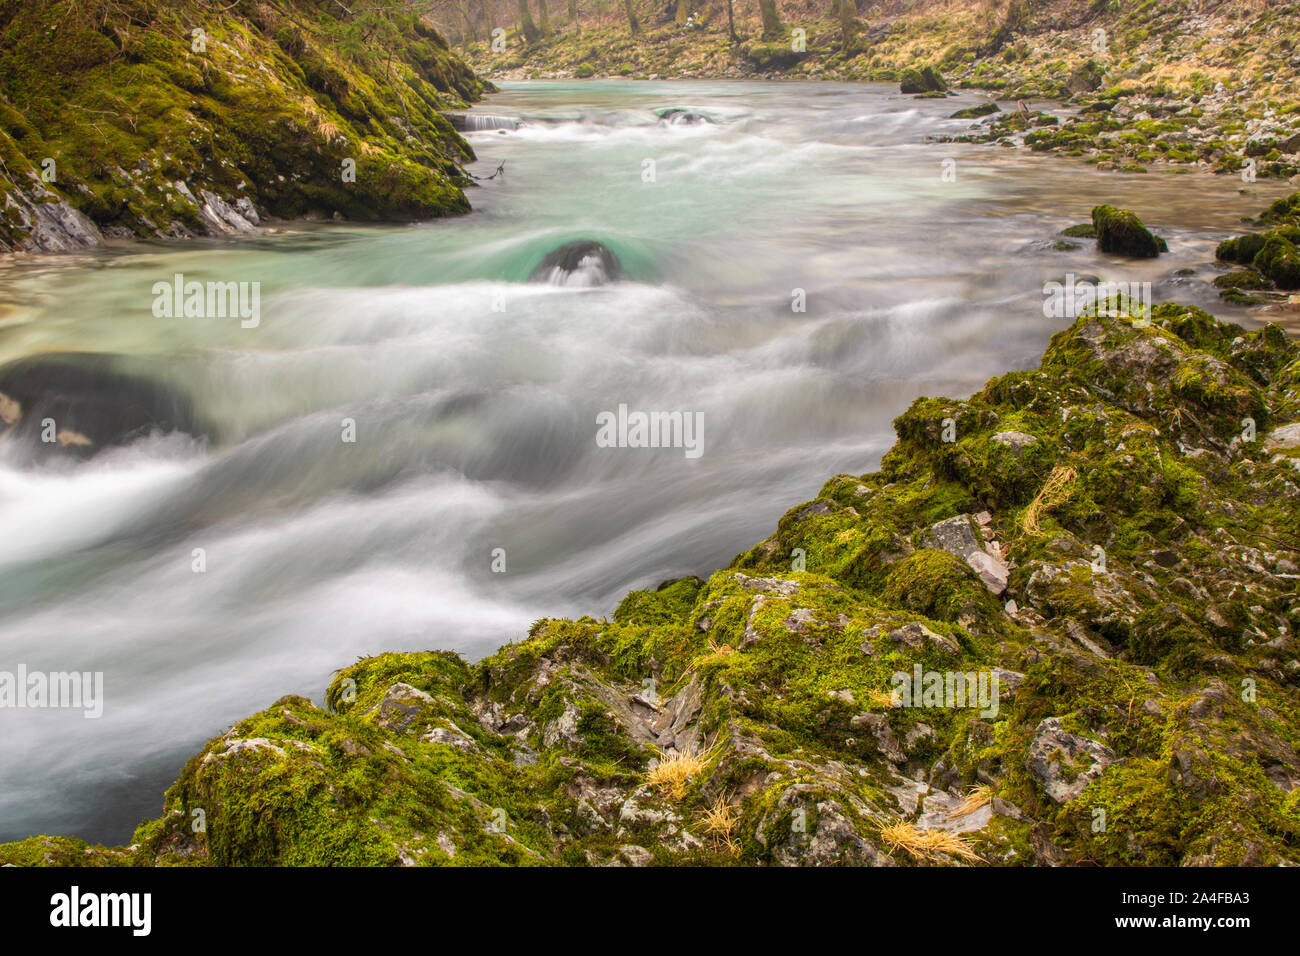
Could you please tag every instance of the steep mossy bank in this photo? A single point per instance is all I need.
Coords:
(1110, 540)
(123, 118)
(1190, 83)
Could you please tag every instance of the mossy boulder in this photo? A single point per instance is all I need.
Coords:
(1121, 232)
(921, 80)
(1278, 260)
(974, 112)
(1273, 255)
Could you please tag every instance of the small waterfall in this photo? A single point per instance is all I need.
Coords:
(480, 122)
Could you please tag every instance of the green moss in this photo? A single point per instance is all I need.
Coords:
(940, 586)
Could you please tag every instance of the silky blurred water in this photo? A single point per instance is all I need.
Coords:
(475, 398)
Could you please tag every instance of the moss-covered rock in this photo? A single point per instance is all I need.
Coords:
(974, 112)
(169, 120)
(924, 79)
(1120, 231)
(1272, 255)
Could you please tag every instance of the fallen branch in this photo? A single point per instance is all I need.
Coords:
(501, 171)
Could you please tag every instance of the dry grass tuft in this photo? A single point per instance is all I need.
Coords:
(881, 698)
(981, 796)
(674, 771)
(717, 652)
(720, 820)
(927, 844)
(1055, 490)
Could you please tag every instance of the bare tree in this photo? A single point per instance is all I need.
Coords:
(544, 17)
(573, 16)
(633, 24)
(771, 19)
(526, 24)
(848, 25)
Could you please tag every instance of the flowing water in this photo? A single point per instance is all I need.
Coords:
(475, 397)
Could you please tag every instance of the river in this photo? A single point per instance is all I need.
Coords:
(474, 397)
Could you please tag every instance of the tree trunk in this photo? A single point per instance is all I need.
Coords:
(573, 16)
(544, 17)
(771, 20)
(848, 26)
(526, 23)
(683, 12)
(633, 24)
(471, 33)
(731, 20)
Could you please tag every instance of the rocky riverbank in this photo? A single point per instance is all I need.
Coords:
(1057, 626)
(173, 120)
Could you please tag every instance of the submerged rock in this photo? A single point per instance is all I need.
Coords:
(581, 264)
(79, 404)
(677, 116)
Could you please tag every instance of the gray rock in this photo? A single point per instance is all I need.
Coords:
(635, 855)
(401, 706)
(1005, 808)
(1287, 436)
(451, 735)
(244, 206)
(1008, 680)
(781, 587)
(938, 812)
(1064, 763)
(1015, 440)
(220, 217)
(50, 223)
(961, 537)
(993, 570)
(919, 734)
(955, 535)
(878, 726)
(563, 730)
(918, 637)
